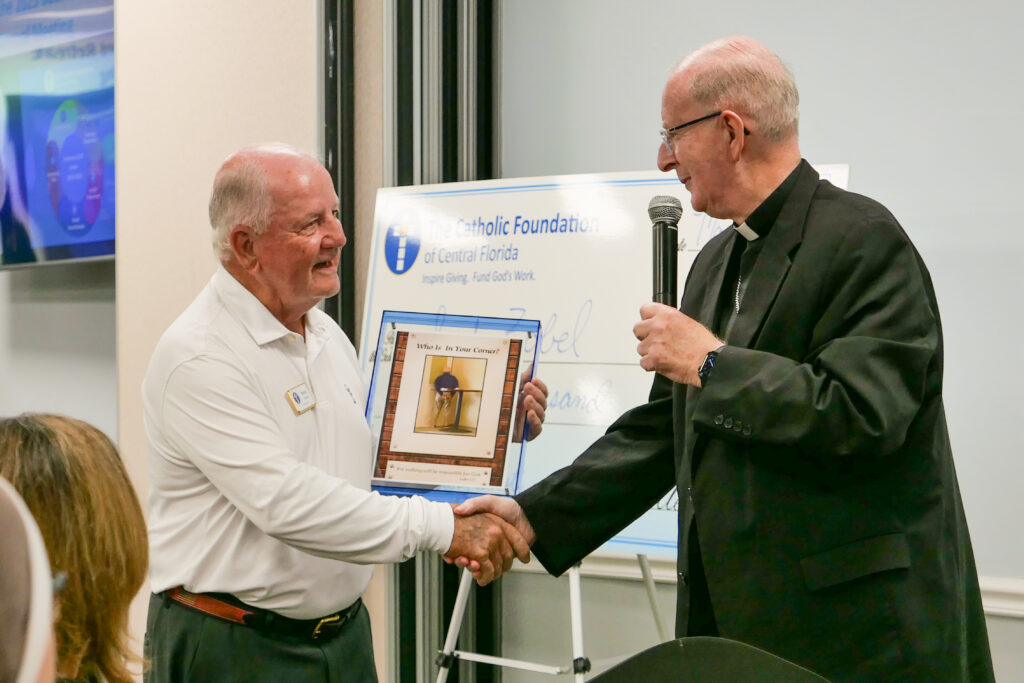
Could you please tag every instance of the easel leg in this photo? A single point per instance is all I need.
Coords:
(580, 663)
(645, 570)
(449, 656)
(446, 659)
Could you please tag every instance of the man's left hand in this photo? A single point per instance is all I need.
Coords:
(672, 343)
(533, 401)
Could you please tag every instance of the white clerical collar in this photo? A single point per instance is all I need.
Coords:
(745, 230)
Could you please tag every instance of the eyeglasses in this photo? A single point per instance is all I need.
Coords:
(666, 133)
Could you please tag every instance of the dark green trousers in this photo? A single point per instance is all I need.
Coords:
(183, 644)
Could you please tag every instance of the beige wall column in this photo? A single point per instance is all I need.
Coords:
(369, 175)
(195, 81)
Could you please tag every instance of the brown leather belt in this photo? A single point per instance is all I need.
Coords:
(229, 608)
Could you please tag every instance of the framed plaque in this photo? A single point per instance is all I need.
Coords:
(445, 403)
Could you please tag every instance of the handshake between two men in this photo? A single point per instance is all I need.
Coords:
(495, 530)
(492, 530)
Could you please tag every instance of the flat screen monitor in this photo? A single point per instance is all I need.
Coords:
(57, 181)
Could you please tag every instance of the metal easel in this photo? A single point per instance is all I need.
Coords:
(580, 664)
(449, 655)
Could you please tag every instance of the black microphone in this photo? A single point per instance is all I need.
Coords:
(665, 212)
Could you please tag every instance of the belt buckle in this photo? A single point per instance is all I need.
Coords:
(327, 623)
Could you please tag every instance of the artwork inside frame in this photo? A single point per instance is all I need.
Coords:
(444, 399)
(445, 406)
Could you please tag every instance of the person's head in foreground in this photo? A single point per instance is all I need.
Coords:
(26, 608)
(74, 483)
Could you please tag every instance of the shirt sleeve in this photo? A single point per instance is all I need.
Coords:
(213, 417)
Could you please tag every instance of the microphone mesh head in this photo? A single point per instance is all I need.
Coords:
(665, 209)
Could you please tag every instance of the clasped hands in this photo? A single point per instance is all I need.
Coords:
(490, 531)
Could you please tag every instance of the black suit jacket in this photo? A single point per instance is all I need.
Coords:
(815, 461)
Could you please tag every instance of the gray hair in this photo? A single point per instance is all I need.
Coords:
(241, 193)
(740, 73)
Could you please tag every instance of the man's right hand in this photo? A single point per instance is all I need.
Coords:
(509, 511)
(672, 343)
(487, 545)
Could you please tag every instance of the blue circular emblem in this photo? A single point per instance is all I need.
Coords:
(401, 247)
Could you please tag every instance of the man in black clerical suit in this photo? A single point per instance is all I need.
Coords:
(797, 408)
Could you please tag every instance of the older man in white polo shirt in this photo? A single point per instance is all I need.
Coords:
(262, 524)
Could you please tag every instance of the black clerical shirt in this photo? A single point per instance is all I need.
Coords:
(744, 255)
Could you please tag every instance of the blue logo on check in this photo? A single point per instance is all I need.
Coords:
(401, 247)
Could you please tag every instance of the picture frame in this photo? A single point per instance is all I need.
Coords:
(443, 403)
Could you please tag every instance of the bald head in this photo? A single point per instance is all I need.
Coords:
(745, 101)
(242, 192)
(741, 74)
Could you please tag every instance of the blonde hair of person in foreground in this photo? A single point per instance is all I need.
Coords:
(74, 483)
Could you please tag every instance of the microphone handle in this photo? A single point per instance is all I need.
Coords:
(666, 263)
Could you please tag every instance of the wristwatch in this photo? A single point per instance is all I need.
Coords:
(708, 365)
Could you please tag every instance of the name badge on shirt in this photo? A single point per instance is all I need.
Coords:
(301, 398)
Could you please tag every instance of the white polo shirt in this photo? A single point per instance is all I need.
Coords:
(250, 496)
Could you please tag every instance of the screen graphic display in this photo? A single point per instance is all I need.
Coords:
(57, 180)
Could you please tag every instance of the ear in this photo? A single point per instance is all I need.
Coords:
(243, 246)
(736, 131)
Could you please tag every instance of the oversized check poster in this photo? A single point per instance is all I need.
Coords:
(571, 251)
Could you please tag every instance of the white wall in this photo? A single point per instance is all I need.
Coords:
(921, 98)
(57, 343)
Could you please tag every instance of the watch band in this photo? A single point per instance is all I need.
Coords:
(708, 365)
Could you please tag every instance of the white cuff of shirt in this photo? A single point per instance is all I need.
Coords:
(439, 528)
